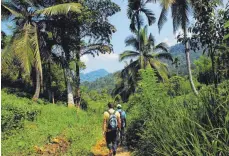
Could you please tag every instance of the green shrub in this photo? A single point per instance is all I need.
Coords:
(82, 129)
(15, 112)
(184, 125)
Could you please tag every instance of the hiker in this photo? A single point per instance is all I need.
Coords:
(123, 121)
(111, 126)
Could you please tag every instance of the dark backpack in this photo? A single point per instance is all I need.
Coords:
(112, 122)
(122, 116)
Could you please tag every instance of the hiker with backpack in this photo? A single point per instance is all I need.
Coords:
(111, 127)
(123, 121)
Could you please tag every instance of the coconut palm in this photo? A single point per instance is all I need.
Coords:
(146, 54)
(25, 43)
(176, 63)
(180, 10)
(136, 11)
(126, 82)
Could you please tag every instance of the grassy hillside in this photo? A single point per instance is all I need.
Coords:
(29, 128)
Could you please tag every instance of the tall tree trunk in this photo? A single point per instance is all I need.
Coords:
(50, 82)
(78, 98)
(142, 64)
(63, 67)
(78, 49)
(38, 86)
(187, 53)
(213, 68)
(53, 98)
(69, 90)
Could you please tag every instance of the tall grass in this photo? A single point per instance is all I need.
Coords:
(185, 125)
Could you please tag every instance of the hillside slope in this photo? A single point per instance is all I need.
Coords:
(92, 76)
(103, 83)
(30, 128)
(178, 50)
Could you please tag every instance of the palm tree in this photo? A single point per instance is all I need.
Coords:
(180, 10)
(135, 11)
(25, 43)
(149, 53)
(126, 82)
(176, 62)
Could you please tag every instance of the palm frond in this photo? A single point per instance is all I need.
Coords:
(165, 55)
(88, 53)
(132, 41)
(162, 18)
(160, 68)
(131, 68)
(128, 54)
(180, 11)
(167, 3)
(96, 49)
(23, 48)
(162, 47)
(10, 10)
(61, 9)
(149, 14)
(151, 40)
(129, 13)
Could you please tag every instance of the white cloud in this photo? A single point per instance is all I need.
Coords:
(170, 41)
(108, 57)
(84, 58)
(109, 62)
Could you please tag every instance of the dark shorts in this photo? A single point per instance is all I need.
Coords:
(111, 139)
(122, 131)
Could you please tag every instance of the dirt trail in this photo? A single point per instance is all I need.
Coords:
(100, 149)
(122, 152)
(56, 147)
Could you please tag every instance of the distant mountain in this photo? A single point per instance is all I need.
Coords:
(94, 75)
(107, 83)
(178, 50)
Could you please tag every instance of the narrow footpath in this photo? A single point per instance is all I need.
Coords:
(100, 149)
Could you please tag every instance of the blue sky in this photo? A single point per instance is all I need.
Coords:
(110, 62)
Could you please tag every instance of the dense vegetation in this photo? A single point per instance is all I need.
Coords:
(177, 98)
(28, 126)
(182, 125)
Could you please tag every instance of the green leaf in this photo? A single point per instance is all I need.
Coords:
(13, 12)
(61, 9)
(226, 24)
(128, 54)
(226, 37)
